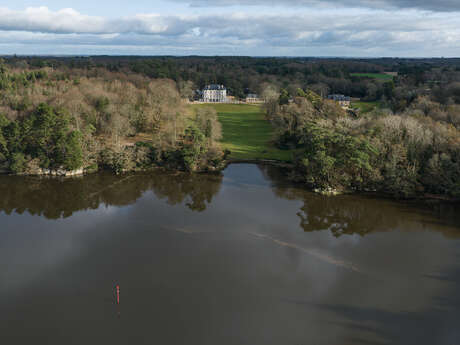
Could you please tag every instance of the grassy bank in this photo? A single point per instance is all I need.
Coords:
(246, 132)
(365, 107)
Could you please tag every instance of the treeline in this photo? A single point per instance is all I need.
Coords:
(408, 154)
(438, 79)
(127, 113)
(50, 120)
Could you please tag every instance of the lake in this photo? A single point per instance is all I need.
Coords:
(242, 257)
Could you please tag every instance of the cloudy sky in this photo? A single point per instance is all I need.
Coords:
(362, 28)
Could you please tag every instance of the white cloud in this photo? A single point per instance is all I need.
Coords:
(431, 5)
(310, 32)
(42, 19)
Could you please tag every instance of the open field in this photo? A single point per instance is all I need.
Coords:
(381, 76)
(365, 107)
(246, 132)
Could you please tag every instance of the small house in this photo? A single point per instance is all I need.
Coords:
(253, 98)
(343, 100)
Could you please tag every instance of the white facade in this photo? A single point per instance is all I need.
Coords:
(215, 94)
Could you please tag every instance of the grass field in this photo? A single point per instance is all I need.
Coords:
(246, 132)
(381, 76)
(365, 107)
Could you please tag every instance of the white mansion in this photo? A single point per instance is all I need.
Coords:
(214, 94)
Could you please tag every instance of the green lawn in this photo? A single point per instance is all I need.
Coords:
(365, 107)
(381, 76)
(246, 132)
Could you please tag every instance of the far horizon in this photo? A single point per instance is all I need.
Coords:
(305, 28)
(229, 56)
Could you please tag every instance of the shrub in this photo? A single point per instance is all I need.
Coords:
(18, 163)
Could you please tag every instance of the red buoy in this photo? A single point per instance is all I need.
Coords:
(118, 294)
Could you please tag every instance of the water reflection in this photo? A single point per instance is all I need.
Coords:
(438, 326)
(56, 198)
(351, 214)
(341, 215)
(211, 259)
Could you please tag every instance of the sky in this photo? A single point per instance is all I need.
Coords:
(346, 28)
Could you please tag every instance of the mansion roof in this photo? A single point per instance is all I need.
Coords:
(214, 87)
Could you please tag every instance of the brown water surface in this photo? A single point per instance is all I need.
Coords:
(239, 258)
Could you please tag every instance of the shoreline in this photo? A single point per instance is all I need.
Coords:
(272, 162)
(428, 197)
(383, 195)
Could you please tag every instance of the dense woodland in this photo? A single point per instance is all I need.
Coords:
(415, 152)
(51, 120)
(437, 78)
(127, 113)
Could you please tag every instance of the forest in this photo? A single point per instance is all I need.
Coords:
(438, 78)
(412, 153)
(53, 121)
(131, 113)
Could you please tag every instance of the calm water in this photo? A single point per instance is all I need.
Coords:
(238, 258)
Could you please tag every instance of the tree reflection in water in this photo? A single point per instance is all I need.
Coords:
(59, 198)
(362, 215)
(342, 215)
